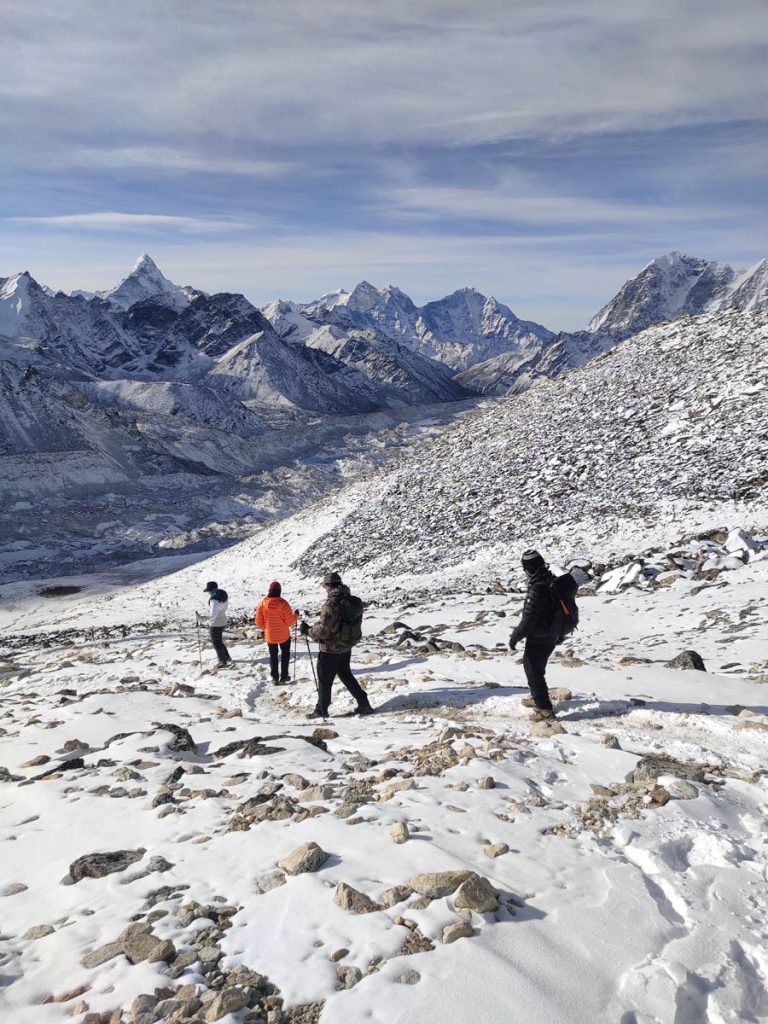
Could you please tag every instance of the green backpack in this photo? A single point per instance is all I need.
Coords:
(351, 612)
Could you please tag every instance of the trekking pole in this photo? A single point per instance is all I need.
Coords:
(295, 645)
(199, 646)
(312, 666)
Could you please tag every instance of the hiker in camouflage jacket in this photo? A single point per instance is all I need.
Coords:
(328, 624)
(335, 655)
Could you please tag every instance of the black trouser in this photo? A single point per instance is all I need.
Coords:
(535, 661)
(329, 665)
(217, 639)
(285, 659)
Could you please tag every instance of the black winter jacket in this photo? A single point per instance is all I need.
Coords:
(537, 621)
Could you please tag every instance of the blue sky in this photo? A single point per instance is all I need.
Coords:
(540, 152)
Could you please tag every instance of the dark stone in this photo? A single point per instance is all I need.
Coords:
(650, 767)
(182, 740)
(246, 748)
(688, 660)
(96, 865)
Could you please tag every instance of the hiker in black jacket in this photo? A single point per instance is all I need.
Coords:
(538, 628)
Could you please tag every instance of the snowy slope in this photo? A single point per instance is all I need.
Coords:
(411, 377)
(642, 881)
(622, 853)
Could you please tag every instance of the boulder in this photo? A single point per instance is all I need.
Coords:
(182, 741)
(139, 948)
(433, 885)
(495, 849)
(682, 790)
(271, 881)
(688, 660)
(229, 1000)
(352, 900)
(97, 865)
(13, 888)
(348, 975)
(559, 693)
(478, 894)
(651, 766)
(395, 895)
(100, 956)
(457, 930)
(307, 857)
(399, 832)
(550, 727)
(409, 977)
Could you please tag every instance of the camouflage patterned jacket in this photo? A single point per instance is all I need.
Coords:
(329, 622)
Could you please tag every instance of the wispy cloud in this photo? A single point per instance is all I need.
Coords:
(550, 211)
(111, 221)
(159, 159)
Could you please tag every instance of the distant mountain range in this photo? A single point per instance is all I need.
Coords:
(216, 361)
(154, 415)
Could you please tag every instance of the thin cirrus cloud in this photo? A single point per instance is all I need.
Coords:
(163, 159)
(111, 220)
(550, 211)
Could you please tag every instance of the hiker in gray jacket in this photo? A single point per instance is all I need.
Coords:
(216, 620)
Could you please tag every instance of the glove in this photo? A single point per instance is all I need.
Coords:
(296, 611)
(512, 646)
(304, 628)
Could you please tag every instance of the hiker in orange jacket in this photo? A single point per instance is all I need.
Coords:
(275, 617)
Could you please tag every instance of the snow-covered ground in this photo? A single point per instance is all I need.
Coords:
(611, 900)
(467, 863)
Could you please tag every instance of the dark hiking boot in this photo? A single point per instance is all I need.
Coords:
(365, 710)
(543, 715)
(275, 681)
(316, 714)
(284, 679)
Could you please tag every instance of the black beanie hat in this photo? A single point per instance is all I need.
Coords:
(532, 561)
(210, 587)
(332, 579)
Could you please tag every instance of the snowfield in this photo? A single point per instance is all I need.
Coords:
(617, 887)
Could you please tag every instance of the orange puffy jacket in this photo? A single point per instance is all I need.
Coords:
(275, 616)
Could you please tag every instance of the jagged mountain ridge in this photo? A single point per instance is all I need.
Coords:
(458, 331)
(678, 285)
(606, 444)
(668, 287)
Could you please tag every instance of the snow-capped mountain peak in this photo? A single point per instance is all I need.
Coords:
(146, 281)
(19, 296)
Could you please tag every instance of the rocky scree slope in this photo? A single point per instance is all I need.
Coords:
(666, 427)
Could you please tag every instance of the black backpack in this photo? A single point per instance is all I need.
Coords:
(351, 612)
(566, 616)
